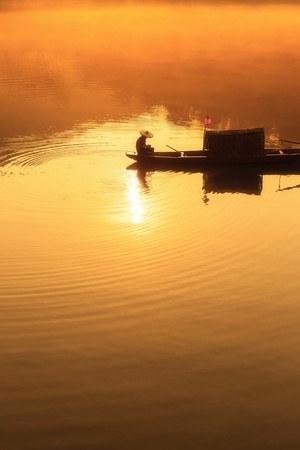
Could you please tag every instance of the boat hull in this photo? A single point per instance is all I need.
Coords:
(200, 159)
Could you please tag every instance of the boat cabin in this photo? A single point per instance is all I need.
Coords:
(234, 143)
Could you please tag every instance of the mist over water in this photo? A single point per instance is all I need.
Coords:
(60, 68)
(146, 309)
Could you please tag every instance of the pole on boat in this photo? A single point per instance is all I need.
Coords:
(207, 121)
(172, 148)
(290, 142)
(178, 151)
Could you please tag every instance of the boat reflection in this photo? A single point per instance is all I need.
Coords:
(286, 188)
(225, 180)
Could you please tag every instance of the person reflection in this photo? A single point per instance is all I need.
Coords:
(142, 176)
(141, 147)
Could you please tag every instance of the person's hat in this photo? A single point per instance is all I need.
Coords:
(146, 133)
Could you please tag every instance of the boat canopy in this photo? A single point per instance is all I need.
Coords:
(232, 143)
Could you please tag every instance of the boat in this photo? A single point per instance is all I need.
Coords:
(245, 147)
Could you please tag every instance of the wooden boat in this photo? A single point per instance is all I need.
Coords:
(227, 147)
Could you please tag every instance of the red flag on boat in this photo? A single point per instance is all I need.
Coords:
(207, 120)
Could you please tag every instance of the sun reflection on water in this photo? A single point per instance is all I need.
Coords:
(136, 207)
(137, 185)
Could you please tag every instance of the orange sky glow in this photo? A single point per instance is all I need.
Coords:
(52, 55)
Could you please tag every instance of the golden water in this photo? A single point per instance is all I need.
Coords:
(146, 310)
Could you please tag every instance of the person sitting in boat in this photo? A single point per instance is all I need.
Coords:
(141, 147)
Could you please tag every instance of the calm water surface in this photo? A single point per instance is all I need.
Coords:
(155, 310)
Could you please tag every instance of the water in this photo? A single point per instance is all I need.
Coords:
(146, 310)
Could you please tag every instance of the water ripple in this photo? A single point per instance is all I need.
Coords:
(23, 155)
(20, 161)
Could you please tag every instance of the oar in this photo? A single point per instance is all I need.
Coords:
(178, 151)
(290, 142)
(173, 148)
